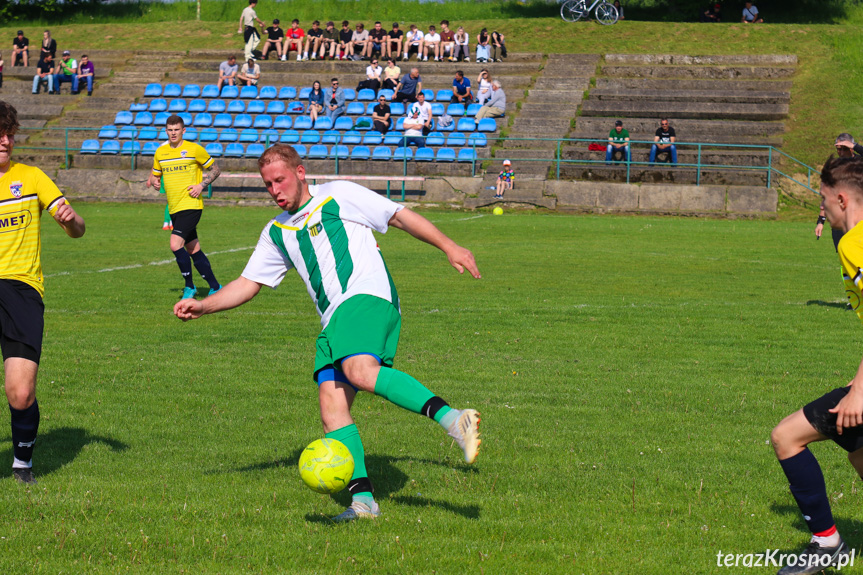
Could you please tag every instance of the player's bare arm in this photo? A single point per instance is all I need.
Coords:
(849, 411)
(212, 173)
(419, 227)
(232, 295)
(154, 181)
(69, 220)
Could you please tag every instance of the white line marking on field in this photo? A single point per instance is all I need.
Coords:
(470, 218)
(136, 266)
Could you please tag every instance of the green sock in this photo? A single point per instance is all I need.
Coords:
(402, 389)
(350, 436)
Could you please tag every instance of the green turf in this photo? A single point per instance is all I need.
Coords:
(628, 371)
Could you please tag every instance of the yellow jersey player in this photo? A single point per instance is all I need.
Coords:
(24, 192)
(179, 165)
(837, 415)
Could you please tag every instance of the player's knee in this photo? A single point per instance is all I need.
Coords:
(778, 438)
(21, 398)
(361, 375)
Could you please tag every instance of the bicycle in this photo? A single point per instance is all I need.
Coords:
(575, 10)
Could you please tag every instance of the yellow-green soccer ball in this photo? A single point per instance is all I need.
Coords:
(326, 466)
(497, 211)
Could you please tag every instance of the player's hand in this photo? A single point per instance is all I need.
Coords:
(849, 411)
(64, 213)
(195, 191)
(462, 259)
(818, 229)
(187, 309)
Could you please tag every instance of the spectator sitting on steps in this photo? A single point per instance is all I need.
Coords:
(618, 141)
(751, 15)
(44, 75)
(664, 138)
(495, 107)
(227, 72)
(249, 74)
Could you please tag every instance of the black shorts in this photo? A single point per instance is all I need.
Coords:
(22, 320)
(818, 414)
(185, 224)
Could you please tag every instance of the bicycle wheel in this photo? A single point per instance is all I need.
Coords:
(606, 14)
(573, 10)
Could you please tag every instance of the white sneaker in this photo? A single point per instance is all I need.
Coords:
(425, 59)
(467, 59)
(405, 58)
(465, 430)
(299, 58)
(314, 56)
(284, 58)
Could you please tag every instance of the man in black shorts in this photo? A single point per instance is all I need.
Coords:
(394, 42)
(837, 415)
(24, 192)
(20, 50)
(275, 38)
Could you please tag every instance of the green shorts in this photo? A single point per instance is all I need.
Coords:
(363, 324)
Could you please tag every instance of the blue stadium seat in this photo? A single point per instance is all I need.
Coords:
(263, 121)
(90, 147)
(386, 93)
(269, 137)
(208, 135)
(343, 124)
(381, 153)
(172, 91)
(214, 149)
(249, 92)
(243, 121)
(267, 93)
(466, 125)
(275, 107)
(236, 107)
(429, 94)
(108, 132)
(477, 139)
(366, 95)
(110, 147)
(350, 94)
(486, 125)
(150, 148)
(229, 135)
(424, 155)
(437, 109)
(222, 120)
(130, 148)
(373, 138)
(340, 152)
(234, 151)
(317, 152)
(210, 91)
(456, 140)
(394, 139)
(151, 133)
(141, 119)
(290, 137)
(303, 123)
(256, 107)
(163, 135)
(153, 90)
(203, 119)
(288, 93)
(229, 92)
(361, 153)
(187, 118)
(197, 105)
(435, 139)
(445, 155)
(295, 108)
(282, 122)
(139, 107)
(466, 155)
(301, 150)
(443, 96)
(397, 109)
(254, 150)
(364, 123)
(323, 123)
(177, 105)
(402, 153)
(304, 93)
(356, 109)
(191, 91)
(217, 106)
(191, 134)
(455, 110)
(127, 133)
(310, 137)
(331, 137)
(249, 135)
(400, 124)
(352, 137)
(158, 105)
(370, 108)
(472, 109)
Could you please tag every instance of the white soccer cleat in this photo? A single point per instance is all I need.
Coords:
(465, 430)
(358, 510)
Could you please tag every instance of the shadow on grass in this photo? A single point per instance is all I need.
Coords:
(836, 304)
(850, 529)
(59, 447)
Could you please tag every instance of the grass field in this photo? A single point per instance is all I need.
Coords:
(628, 370)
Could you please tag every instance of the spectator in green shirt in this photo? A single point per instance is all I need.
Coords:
(618, 141)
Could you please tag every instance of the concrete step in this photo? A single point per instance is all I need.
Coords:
(219, 56)
(724, 96)
(691, 84)
(618, 173)
(562, 84)
(685, 128)
(555, 96)
(684, 60)
(572, 59)
(689, 110)
(699, 72)
(685, 155)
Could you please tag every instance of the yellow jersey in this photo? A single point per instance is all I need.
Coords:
(24, 192)
(180, 168)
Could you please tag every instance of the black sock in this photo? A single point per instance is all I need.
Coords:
(807, 487)
(185, 264)
(202, 264)
(25, 425)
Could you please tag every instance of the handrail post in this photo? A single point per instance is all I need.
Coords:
(698, 168)
(337, 163)
(557, 161)
(628, 153)
(66, 147)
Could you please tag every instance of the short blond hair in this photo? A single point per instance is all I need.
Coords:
(280, 152)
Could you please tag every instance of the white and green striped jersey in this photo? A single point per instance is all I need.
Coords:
(329, 242)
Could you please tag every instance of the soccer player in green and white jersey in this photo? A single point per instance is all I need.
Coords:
(325, 233)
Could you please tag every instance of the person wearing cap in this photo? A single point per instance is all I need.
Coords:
(413, 126)
(495, 107)
(505, 179)
(313, 40)
(334, 100)
(751, 14)
(618, 141)
(381, 115)
(66, 71)
(664, 141)
(394, 41)
(329, 40)
(20, 49)
(713, 13)
(275, 37)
